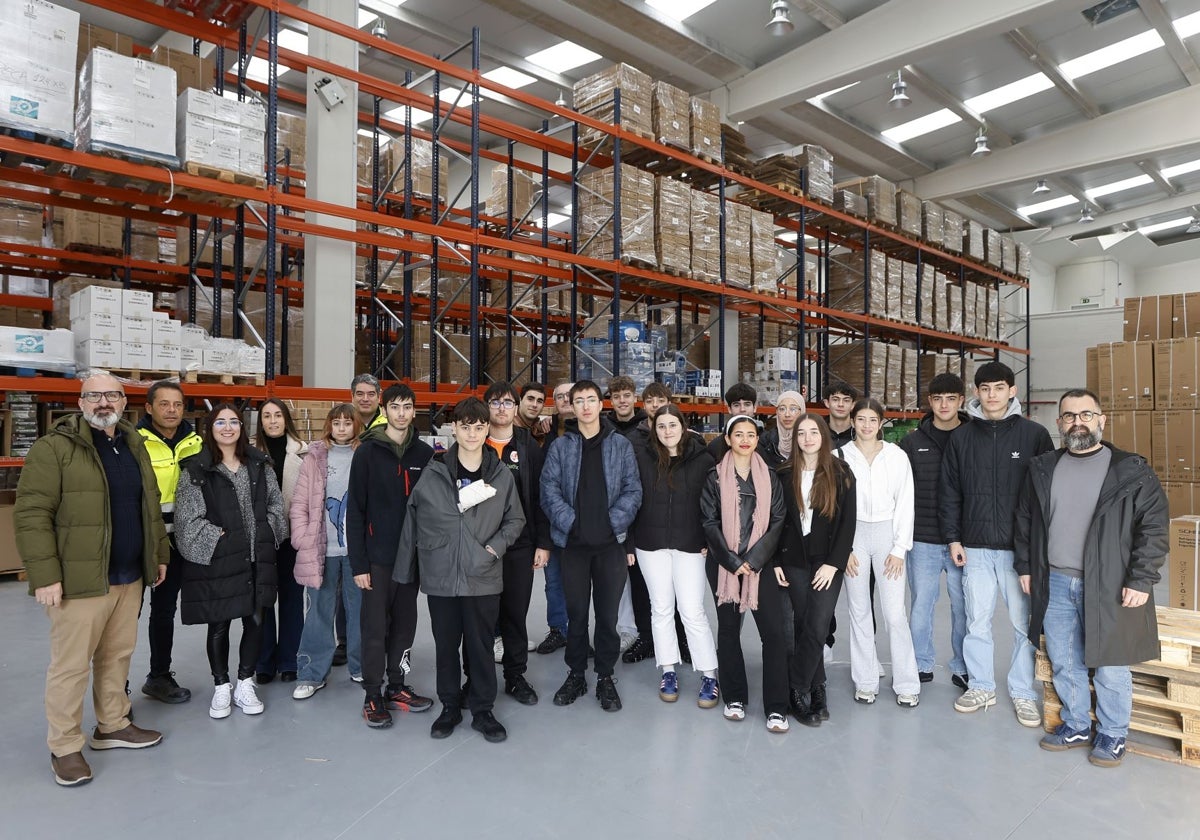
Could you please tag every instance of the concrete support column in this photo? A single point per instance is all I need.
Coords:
(331, 177)
(729, 364)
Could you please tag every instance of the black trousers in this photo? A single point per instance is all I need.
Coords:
(599, 573)
(514, 608)
(640, 596)
(281, 639)
(164, 601)
(464, 622)
(218, 649)
(771, 631)
(389, 625)
(813, 611)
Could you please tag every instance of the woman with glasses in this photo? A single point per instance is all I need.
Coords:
(229, 519)
(883, 536)
(278, 438)
(741, 508)
(669, 546)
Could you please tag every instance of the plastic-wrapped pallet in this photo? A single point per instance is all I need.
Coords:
(932, 364)
(910, 395)
(994, 314)
(52, 351)
(291, 144)
(894, 377)
(941, 303)
(908, 212)
(881, 198)
(993, 247)
(861, 364)
(37, 88)
(737, 245)
(422, 167)
(126, 108)
(970, 298)
(851, 202)
(1024, 257)
(637, 214)
(671, 115)
(1008, 255)
(704, 129)
(846, 288)
(974, 241)
(763, 252)
(895, 290)
(932, 223)
(672, 225)
(706, 236)
(908, 293)
(952, 238)
(926, 290)
(954, 308)
(21, 224)
(221, 133)
(524, 194)
(593, 96)
(86, 230)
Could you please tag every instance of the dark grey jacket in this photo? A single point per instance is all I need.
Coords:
(449, 548)
(560, 481)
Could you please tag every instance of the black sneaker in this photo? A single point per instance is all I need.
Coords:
(164, 689)
(571, 690)
(401, 698)
(800, 704)
(642, 648)
(606, 693)
(521, 691)
(375, 713)
(554, 641)
(339, 654)
(817, 703)
(486, 724)
(961, 680)
(443, 727)
(262, 677)
(925, 676)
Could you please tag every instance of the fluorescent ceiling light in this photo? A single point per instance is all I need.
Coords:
(509, 77)
(563, 57)
(1009, 93)
(365, 18)
(1118, 186)
(679, 9)
(384, 6)
(383, 138)
(922, 125)
(1181, 169)
(292, 40)
(1161, 226)
(1113, 54)
(259, 68)
(1187, 26)
(418, 115)
(1052, 204)
(822, 96)
(553, 220)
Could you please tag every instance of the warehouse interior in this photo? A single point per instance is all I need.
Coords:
(696, 192)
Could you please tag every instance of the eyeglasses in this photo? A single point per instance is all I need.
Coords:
(223, 423)
(508, 405)
(580, 401)
(94, 396)
(788, 409)
(1084, 416)
(563, 396)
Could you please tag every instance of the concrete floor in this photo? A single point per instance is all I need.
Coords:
(311, 769)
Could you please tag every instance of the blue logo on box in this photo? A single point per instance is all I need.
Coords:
(30, 343)
(23, 107)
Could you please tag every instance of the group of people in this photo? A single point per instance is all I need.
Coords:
(320, 549)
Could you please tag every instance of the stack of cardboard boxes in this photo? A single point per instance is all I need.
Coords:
(38, 42)
(127, 108)
(120, 329)
(221, 133)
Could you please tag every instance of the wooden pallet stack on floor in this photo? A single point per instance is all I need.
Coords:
(1166, 693)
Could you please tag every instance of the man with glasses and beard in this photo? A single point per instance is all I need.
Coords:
(1090, 537)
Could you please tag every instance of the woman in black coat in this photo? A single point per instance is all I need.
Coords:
(816, 543)
(229, 518)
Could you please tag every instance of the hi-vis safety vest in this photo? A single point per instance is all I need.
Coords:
(166, 467)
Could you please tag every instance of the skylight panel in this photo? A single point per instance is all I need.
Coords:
(922, 125)
(418, 115)
(509, 77)
(1158, 227)
(1007, 94)
(679, 9)
(1187, 26)
(1045, 206)
(292, 40)
(1181, 169)
(1113, 54)
(1118, 186)
(823, 96)
(562, 57)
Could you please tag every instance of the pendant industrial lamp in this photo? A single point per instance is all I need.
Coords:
(1086, 217)
(981, 144)
(781, 19)
(1041, 187)
(900, 97)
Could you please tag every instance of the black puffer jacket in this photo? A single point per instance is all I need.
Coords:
(229, 586)
(983, 471)
(1125, 547)
(524, 459)
(923, 446)
(830, 541)
(762, 553)
(670, 513)
(382, 475)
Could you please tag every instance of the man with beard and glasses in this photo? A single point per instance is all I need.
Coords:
(1090, 537)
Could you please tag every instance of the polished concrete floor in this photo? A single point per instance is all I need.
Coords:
(311, 769)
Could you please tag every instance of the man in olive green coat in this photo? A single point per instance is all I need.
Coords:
(91, 535)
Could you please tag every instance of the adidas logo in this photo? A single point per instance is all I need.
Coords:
(1016, 456)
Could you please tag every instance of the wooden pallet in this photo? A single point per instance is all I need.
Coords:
(143, 374)
(692, 399)
(193, 377)
(13, 575)
(1159, 734)
(226, 176)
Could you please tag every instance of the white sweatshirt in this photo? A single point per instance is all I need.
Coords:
(885, 491)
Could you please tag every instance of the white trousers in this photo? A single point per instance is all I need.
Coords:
(872, 542)
(678, 578)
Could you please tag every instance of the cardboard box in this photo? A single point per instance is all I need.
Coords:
(95, 299)
(1184, 563)
(1185, 315)
(135, 354)
(37, 87)
(97, 326)
(110, 119)
(1176, 366)
(1148, 318)
(136, 303)
(136, 330)
(1181, 498)
(190, 71)
(1131, 431)
(1125, 375)
(92, 36)
(98, 354)
(165, 331)
(1174, 438)
(165, 357)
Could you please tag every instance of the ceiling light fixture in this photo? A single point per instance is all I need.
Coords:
(379, 30)
(780, 23)
(561, 102)
(981, 144)
(1086, 217)
(1041, 187)
(900, 97)
(1194, 227)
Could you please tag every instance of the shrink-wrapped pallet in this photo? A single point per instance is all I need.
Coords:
(974, 241)
(952, 237)
(671, 115)
(126, 108)
(704, 129)
(932, 223)
(881, 198)
(594, 97)
(524, 193)
(908, 213)
(737, 245)
(706, 236)
(846, 286)
(672, 225)
(37, 88)
(763, 252)
(861, 364)
(595, 210)
(925, 296)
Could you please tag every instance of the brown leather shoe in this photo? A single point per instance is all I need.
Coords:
(129, 738)
(70, 769)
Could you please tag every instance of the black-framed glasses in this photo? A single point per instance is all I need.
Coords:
(1083, 416)
(505, 404)
(94, 396)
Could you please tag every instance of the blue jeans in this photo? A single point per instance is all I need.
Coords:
(926, 562)
(556, 601)
(1063, 627)
(315, 656)
(990, 572)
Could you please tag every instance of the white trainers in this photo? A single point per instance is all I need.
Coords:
(735, 711)
(304, 690)
(862, 696)
(975, 699)
(827, 655)
(777, 722)
(498, 650)
(910, 700)
(1027, 713)
(222, 702)
(246, 698)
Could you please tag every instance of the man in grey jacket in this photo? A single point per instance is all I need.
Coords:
(462, 517)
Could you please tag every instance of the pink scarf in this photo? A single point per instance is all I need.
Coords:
(731, 588)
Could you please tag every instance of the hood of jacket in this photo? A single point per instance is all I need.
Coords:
(975, 409)
(378, 436)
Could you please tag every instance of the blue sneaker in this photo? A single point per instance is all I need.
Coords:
(668, 689)
(1108, 751)
(1065, 738)
(709, 692)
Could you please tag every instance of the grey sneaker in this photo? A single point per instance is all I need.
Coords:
(1027, 713)
(975, 699)
(910, 700)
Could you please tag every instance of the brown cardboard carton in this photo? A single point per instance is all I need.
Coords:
(1174, 445)
(1131, 431)
(1148, 318)
(190, 71)
(671, 115)
(1185, 315)
(91, 36)
(1184, 563)
(1176, 366)
(1126, 375)
(1181, 499)
(1092, 376)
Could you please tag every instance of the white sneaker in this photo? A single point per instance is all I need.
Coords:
(777, 723)
(882, 672)
(910, 700)
(827, 654)
(1027, 713)
(735, 711)
(222, 702)
(246, 698)
(304, 690)
(498, 650)
(861, 696)
(532, 646)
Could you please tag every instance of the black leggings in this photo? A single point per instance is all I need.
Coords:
(218, 649)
